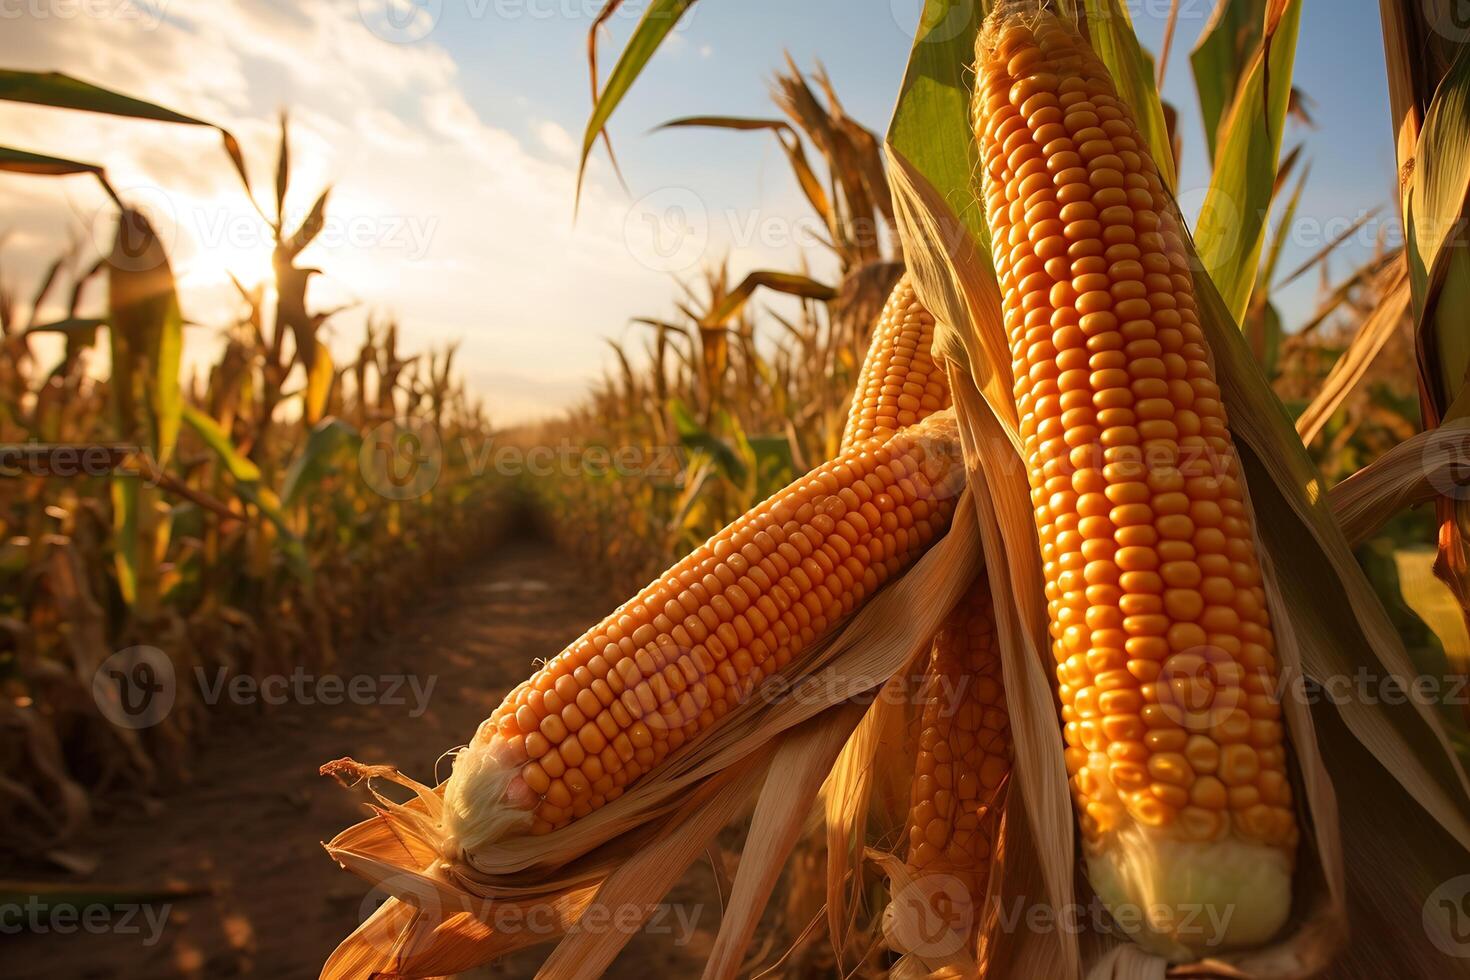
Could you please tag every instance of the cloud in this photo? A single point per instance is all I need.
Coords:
(435, 215)
(557, 140)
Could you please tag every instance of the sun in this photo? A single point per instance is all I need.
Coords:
(216, 241)
(214, 264)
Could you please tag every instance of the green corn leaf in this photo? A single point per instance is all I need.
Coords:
(291, 545)
(1283, 230)
(1269, 330)
(64, 92)
(240, 466)
(60, 91)
(653, 27)
(320, 373)
(82, 329)
(933, 172)
(25, 162)
(1439, 268)
(315, 460)
(931, 127)
(743, 449)
(1264, 326)
(774, 464)
(695, 436)
(1220, 58)
(1232, 223)
(248, 486)
(147, 333)
(125, 535)
(699, 474)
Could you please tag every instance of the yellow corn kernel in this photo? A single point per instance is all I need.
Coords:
(1164, 651)
(900, 384)
(963, 757)
(693, 645)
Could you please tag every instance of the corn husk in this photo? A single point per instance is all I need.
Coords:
(1360, 767)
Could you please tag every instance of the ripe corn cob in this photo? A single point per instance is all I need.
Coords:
(1165, 658)
(901, 384)
(964, 749)
(689, 648)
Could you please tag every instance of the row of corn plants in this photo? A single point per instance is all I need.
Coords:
(256, 514)
(711, 409)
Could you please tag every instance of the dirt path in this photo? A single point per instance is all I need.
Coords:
(247, 829)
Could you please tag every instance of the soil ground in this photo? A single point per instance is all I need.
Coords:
(246, 831)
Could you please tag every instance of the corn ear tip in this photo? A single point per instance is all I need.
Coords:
(481, 799)
(1185, 899)
(1002, 14)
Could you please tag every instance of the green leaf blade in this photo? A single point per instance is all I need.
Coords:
(661, 17)
(1231, 230)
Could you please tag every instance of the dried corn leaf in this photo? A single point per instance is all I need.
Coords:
(1372, 336)
(800, 763)
(866, 796)
(641, 882)
(1412, 473)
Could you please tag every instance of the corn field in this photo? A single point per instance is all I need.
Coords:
(245, 516)
(1013, 587)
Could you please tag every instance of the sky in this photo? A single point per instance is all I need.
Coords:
(448, 131)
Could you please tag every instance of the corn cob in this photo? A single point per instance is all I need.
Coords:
(689, 648)
(1165, 658)
(901, 384)
(964, 749)
(963, 744)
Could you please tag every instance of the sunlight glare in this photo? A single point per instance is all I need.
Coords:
(218, 239)
(213, 265)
